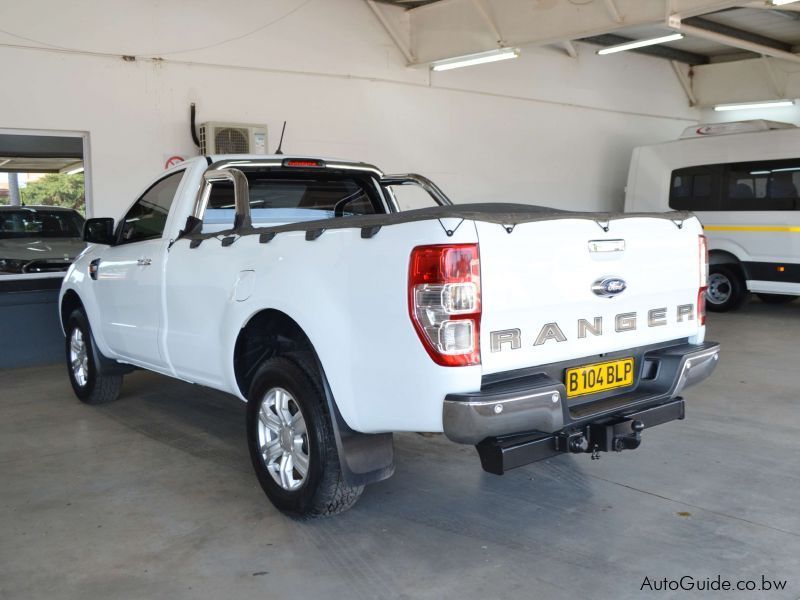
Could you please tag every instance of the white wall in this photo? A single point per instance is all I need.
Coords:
(541, 129)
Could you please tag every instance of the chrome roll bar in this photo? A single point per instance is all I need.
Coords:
(241, 194)
(419, 180)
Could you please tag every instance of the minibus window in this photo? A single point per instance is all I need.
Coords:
(701, 187)
(784, 186)
(747, 189)
(695, 188)
(763, 185)
(767, 185)
(681, 186)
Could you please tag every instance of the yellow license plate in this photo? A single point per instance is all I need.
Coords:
(599, 377)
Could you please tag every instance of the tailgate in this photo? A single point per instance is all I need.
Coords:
(537, 282)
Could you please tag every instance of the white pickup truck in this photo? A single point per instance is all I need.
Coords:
(298, 285)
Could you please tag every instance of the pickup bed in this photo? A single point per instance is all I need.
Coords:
(298, 285)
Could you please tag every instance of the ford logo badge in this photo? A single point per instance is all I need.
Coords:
(609, 287)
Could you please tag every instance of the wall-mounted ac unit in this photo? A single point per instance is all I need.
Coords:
(233, 138)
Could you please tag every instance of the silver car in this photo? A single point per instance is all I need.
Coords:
(39, 239)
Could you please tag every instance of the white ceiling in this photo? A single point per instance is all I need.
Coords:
(718, 32)
(15, 164)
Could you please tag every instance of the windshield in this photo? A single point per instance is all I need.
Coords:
(40, 223)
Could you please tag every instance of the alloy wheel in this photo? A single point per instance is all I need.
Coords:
(283, 439)
(79, 357)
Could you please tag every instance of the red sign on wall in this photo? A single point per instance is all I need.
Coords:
(172, 161)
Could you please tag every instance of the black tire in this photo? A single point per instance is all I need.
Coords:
(323, 490)
(96, 388)
(776, 298)
(726, 290)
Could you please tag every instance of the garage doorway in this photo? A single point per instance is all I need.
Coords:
(45, 196)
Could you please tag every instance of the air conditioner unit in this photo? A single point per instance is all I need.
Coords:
(233, 138)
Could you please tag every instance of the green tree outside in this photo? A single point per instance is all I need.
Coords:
(56, 189)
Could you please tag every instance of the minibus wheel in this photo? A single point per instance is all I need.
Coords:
(726, 288)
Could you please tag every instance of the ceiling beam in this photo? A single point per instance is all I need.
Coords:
(675, 22)
(787, 10)
(401, 45)
(737, 33)
(490, 22)
(659, 51)
(685, 81)
(570, 49)
(613, 10)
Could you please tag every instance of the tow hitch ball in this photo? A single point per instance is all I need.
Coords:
(596, 438)
(629, 441)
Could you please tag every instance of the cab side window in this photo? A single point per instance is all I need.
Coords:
(148, 216)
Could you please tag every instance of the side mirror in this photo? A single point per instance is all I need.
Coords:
(99, 231)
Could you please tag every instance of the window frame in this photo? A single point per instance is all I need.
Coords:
(366, 179)
(118, 241)
(715, 197)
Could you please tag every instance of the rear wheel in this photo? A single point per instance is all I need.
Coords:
(776, 298)
(88, 384)
(726, 288)
(291, 442)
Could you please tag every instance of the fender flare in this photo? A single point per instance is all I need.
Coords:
(103, 364)
(363, 457)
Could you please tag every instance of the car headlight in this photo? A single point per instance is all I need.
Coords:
(11, 265)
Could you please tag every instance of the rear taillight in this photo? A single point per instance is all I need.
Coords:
(701, 305)
(444, 301)
(701, 294)
(703, 260)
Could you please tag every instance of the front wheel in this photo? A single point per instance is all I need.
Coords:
(726, 288)
(88, 384)
(776, 298)
(291, 442)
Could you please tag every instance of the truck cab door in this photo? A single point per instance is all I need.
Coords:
(130, 278)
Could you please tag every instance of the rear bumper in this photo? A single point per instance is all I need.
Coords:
(538, 403)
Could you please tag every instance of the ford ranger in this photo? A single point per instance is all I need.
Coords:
(299, 286)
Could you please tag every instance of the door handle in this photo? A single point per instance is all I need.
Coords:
(144, 262)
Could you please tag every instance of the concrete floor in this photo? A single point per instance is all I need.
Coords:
(153, 497)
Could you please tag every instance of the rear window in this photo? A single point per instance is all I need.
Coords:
(746, 186)
(291, 197)
(40, 223)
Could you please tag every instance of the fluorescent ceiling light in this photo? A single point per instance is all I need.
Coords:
(475, 59)
(751, 105)
(781, 2)
(641, 43)
(75, 171)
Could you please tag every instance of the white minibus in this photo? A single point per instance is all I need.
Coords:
(743, 181)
